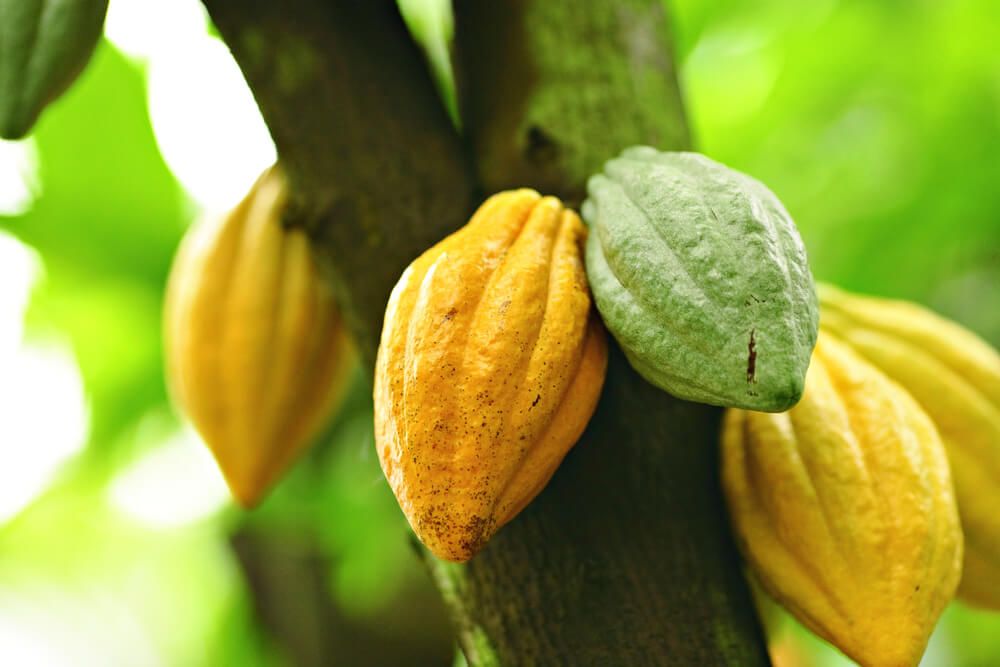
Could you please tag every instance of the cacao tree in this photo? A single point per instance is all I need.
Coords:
(626, 557)
(855, 498)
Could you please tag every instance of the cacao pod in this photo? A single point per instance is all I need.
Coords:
(257, 354)
(700, 274)
(489, 368)
(44, 45)
(955, 376)
(843, 508)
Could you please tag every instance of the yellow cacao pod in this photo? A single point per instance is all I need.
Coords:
(489, 368)
(843, 508)
(256, 352)
(955, 376)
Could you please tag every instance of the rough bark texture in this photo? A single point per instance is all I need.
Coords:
(551, 90)
(625, 559)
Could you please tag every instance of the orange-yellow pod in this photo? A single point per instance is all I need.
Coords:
(955, 376)
(843, 508)
(257, 356)
(491, 362)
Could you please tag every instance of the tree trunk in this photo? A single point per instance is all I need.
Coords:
(625, 558)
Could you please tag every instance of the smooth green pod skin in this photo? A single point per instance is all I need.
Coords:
(44, 45)
(700, 274)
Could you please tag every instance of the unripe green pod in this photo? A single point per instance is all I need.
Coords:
(44, 45)
(700, 274)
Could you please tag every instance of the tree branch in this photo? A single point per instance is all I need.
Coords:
(377, 170)
(551, 90)
(378, 174)
(626, 557)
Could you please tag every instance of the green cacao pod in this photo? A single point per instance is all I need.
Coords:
(44, 45)
(700, 274)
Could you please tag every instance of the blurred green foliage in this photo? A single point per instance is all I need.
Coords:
(877, 123)
(106, 223)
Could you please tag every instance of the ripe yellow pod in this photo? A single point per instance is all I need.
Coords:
(843, 508)
(490, 365)
(257, 356)
(955, 376)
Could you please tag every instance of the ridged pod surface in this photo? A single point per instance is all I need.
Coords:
(44, 45)
(700, 274)
(257, 355)
(955, 376)
(489, 368)
(843, 508)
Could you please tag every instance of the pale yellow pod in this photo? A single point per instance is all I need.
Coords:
(955, 376)
(256, 352)
(490, 365)
(843, 508)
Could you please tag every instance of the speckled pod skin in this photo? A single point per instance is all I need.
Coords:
(257, 355)
(489, 368)
(955, 376)
(700, 274)
(843, 508)
(44, 44)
